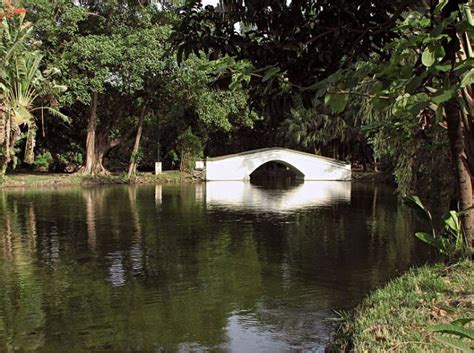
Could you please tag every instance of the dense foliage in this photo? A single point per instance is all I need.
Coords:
(114, 58)
(411, 63)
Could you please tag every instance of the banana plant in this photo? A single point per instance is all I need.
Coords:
(23, 86)
(14, 32)
(450, 240)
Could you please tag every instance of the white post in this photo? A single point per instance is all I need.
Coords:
(199, 165)
(157, 168)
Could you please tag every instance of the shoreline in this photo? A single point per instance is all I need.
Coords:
(397, 316)
(45, 180)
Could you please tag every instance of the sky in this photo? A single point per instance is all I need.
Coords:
(210, 2)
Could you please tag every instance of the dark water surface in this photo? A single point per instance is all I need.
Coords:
(226, 267)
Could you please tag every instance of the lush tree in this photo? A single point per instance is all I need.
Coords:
(124, 77)
(181, 99)
(108, 52)
(302, 41)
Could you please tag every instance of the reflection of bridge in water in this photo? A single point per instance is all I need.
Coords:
(238, 194)
(305, 165)
(244, 195)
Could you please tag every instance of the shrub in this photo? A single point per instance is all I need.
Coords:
(43, 161)
(69, 162)
(190, 148)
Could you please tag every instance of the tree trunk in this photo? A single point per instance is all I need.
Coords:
(3, 125)
(97, 144)
(6, 147)
(90, 166)
(132, 168)
(103, 146)
(456, 130)
(463, 179)
(11, 133)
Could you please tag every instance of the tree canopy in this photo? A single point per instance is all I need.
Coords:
(304, 40)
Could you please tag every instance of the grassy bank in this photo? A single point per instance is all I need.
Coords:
(396, 317)
(55, 179)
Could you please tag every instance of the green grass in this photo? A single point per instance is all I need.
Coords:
(57, 179)
(396, 317)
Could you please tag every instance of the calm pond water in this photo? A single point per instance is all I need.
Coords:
(224, 267)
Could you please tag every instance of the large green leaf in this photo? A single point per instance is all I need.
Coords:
(56, 113)
(428, 58)
(463, 321)
(453, 329)
(270, 73)
(380, 102)
(428, 239)
(455, 343)
(422, 212)
(442, 67)
(451, 220)
(468, 79)
(415, 82)
(444, 95)
(337, 101)
(440, 6)
(432, 54)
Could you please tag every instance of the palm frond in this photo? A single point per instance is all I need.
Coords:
(56, 113)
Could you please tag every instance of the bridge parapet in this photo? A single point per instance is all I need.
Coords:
(308, 166)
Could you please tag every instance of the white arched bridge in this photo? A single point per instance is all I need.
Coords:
(305, 165)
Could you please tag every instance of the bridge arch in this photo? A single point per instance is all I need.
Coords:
(298, 173)
(310, 167)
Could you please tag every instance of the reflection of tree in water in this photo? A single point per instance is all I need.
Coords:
(348, 249)
(21, 314)
(326, 259)
(90, 218)
(136, 251)
(113, 268)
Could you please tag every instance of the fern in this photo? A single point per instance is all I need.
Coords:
(464, 339)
